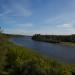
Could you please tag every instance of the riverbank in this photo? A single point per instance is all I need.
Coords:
(17, 60)
(68, 43)
(60, 43)
(68, 40)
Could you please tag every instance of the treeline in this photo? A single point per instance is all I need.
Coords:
(9, 35)
(54, 38)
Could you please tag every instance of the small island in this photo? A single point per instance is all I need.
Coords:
(61, 39)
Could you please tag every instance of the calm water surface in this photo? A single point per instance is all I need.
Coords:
(64, 53)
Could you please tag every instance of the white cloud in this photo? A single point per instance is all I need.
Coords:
(5, 13)
(15, 31)
(7, 20)
(26, 25)
(20, 29)
(29, 25)
(16, 9)
(19, 10)
(66, 26)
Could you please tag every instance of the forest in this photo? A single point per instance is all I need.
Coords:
(54, 38)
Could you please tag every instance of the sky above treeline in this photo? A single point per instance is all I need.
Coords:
(37, 16)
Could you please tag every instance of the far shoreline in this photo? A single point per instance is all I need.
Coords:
(67, 43)
(60, 43)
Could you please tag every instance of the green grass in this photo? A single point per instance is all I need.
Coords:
(68, 43)
(17, 60)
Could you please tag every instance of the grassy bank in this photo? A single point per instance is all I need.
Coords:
(68, 43)
(16, 60)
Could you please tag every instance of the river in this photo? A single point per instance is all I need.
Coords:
(60, 52)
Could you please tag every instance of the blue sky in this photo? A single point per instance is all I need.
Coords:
(37, 16)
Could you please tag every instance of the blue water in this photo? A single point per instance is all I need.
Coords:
(56, 51)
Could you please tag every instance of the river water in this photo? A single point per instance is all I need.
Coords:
(60, 52)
